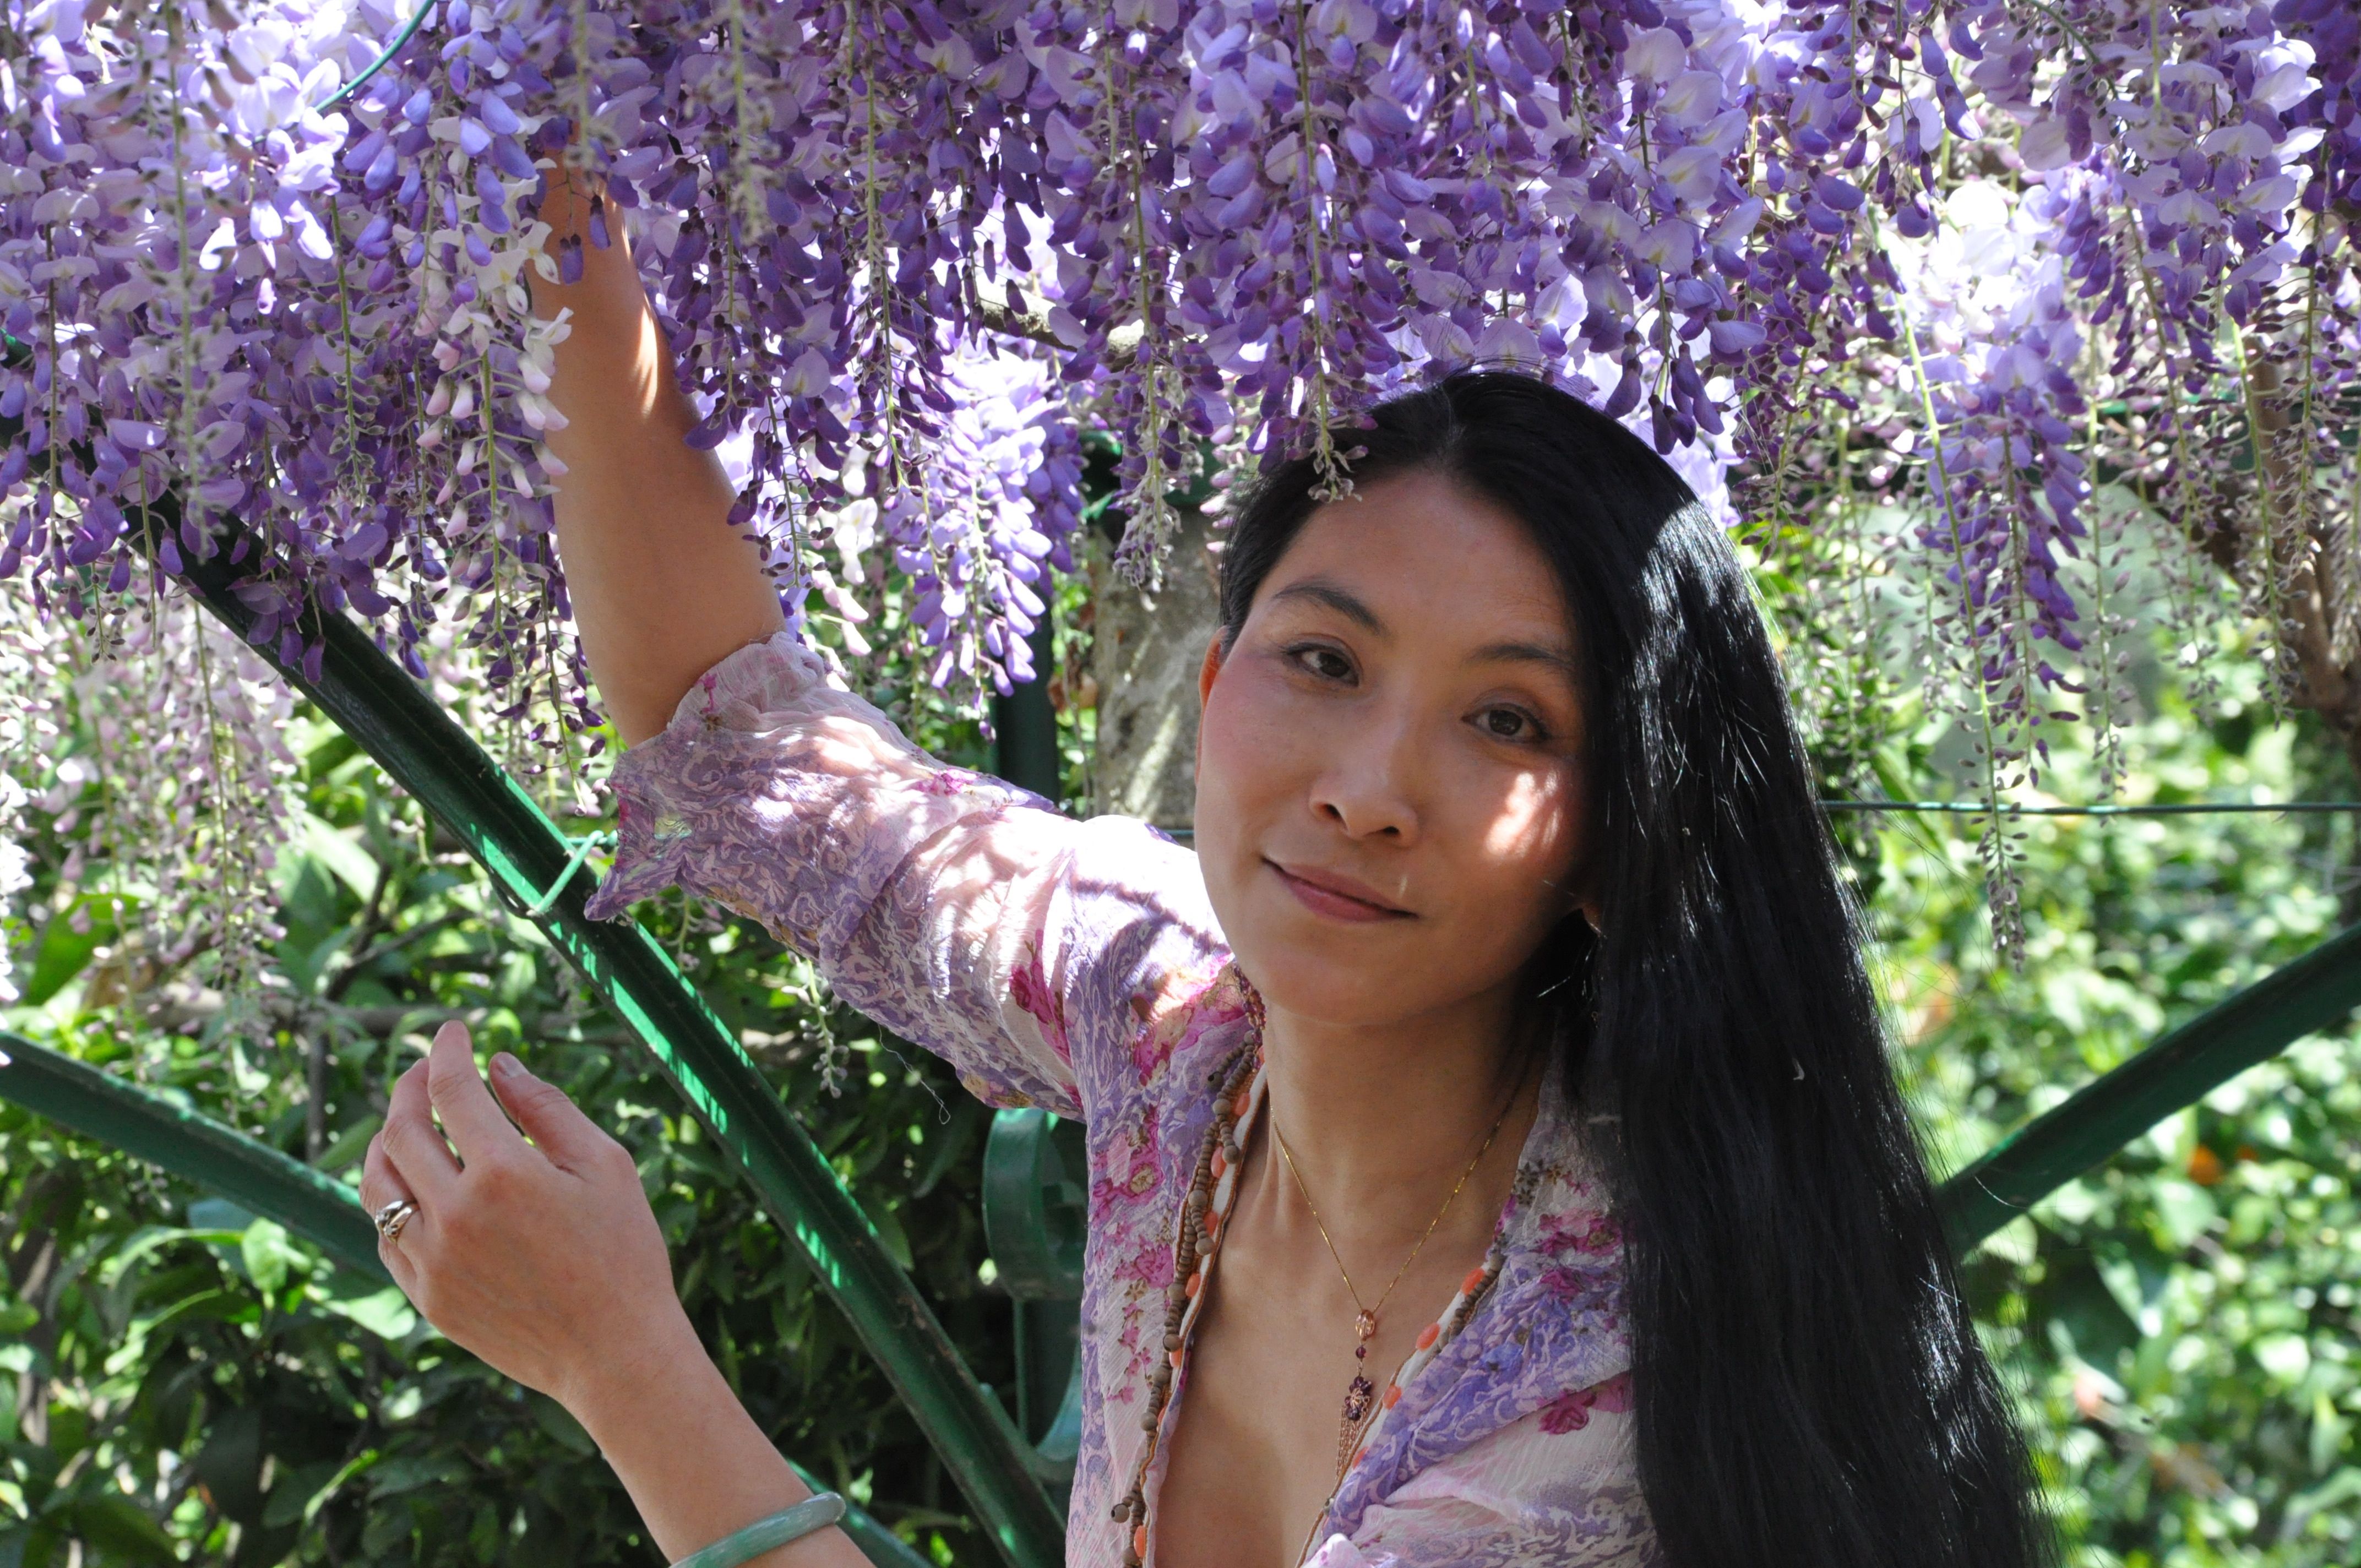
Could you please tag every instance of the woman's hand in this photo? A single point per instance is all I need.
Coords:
(543, 1257)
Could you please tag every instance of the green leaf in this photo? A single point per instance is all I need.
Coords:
(411, 1470)
(121, 1528)
(349, 1145)
(219, 1214)
(65, 952)
(294, 1495)
(386, 1313)
(2184, 1211)
(268, 1254)
(2329, 1428)
(342, 854)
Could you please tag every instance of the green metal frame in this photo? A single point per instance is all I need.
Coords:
(322, 1210)
(159, 1130)
(1036, 1218)
(2313, 993)
(425, 751)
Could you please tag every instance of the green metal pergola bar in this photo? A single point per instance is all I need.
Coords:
(425, 750)
(257, 1177)
(2313, 993)
(140, 1121)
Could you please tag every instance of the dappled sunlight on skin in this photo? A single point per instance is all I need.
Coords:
(1531, 822)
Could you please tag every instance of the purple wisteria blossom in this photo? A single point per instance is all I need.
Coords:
(908, 251)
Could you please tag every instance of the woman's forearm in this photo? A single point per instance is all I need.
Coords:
(662, 587)
(695, 1462)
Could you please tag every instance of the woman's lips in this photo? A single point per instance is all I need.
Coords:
(1337, 897)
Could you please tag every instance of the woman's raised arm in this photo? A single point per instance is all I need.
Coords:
(663, 587)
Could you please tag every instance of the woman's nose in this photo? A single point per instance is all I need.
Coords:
(1369, 787)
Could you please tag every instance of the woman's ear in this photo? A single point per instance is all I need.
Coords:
(1211, 667)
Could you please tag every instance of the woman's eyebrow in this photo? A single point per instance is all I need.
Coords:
(1525, 653)
(1344, 603)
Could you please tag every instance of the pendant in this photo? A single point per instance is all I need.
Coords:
(1360, 1396)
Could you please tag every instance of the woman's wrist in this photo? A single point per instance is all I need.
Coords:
(613, 1391)
(696, 1464)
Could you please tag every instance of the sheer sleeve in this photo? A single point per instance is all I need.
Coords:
(1024, 948)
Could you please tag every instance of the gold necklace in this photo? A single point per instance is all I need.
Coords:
(1360, 1396)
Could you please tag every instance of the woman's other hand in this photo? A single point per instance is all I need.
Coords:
(543, 1257)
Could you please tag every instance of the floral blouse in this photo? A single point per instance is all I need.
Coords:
(1077, 966)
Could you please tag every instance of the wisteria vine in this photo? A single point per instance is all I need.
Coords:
(909, 251)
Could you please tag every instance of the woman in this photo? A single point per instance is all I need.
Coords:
(1494, 1154)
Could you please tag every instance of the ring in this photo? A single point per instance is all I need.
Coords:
(392, 1217)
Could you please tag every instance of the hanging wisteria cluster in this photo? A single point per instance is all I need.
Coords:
(908, 250)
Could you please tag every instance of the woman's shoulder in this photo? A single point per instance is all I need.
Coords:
(1129, 968)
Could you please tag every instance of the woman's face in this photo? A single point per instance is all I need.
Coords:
(1390, 782)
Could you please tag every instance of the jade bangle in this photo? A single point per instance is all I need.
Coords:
(786, 1525)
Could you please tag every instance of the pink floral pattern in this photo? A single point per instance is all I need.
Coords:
(1077, 966)
(1570, 1411)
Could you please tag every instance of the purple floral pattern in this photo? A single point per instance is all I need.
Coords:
(1077, 966)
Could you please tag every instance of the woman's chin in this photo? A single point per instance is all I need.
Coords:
(1311, 982)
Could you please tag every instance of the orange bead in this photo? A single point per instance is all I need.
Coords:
(1427, 1336)
(1176, 1358)
(1393, 1393)
(1190, 1288)
(1475, 1277)
(1219, 1164)
(1139, 1541)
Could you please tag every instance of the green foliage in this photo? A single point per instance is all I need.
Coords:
(2180, 1321)
(178, 1382)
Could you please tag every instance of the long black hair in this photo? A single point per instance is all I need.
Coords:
(1808, 1385)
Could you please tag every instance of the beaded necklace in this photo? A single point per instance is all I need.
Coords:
(1199, 1229)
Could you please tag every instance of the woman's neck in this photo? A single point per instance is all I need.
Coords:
(1381, 1121)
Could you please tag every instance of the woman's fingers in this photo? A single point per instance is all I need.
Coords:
(544, 1259)
(477, 1128)
(420, 1158)
(555, 1125)
(381, 1185)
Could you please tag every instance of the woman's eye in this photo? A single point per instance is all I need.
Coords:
(1508, 724)
(1326, 663)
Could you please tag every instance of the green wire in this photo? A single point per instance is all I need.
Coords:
(343, 95)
